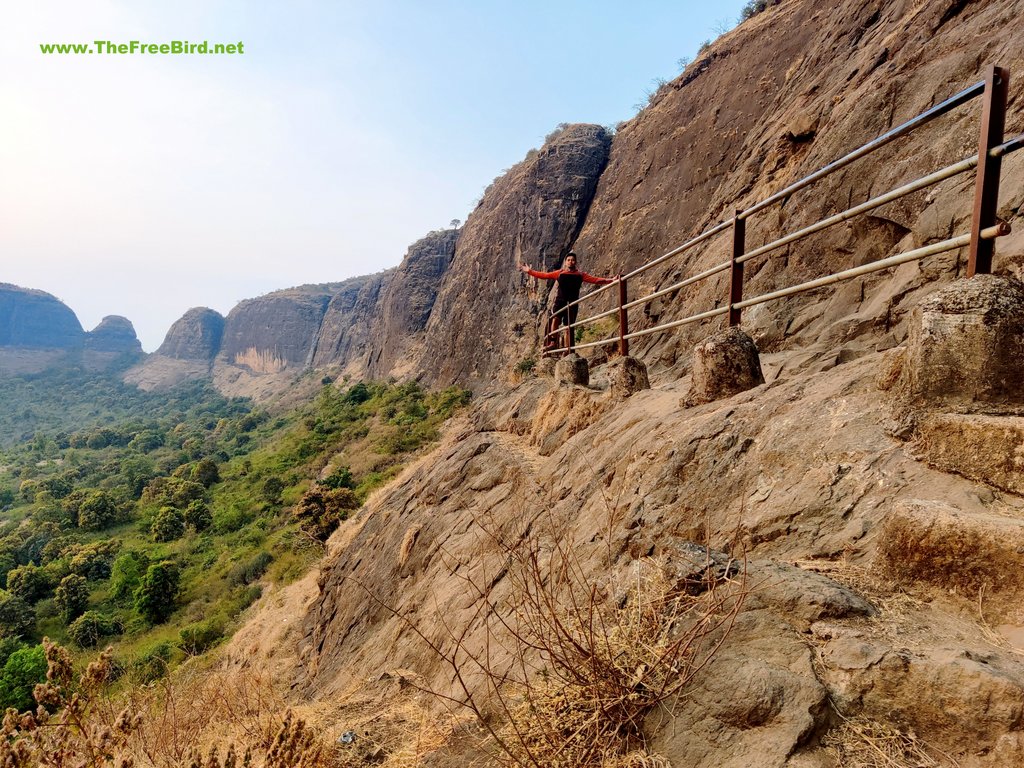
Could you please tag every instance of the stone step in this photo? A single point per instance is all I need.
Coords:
(989, 449)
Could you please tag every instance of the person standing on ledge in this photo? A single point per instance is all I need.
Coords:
(569, 280)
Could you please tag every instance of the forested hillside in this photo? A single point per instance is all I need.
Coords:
(152, 522)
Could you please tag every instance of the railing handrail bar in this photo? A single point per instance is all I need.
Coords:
(876, 202)
(925, 117)
(875, 266)
(717, 229)
(1007, 147)
(677, 323)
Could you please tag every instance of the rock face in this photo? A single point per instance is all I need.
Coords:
(36, 320)
(196, 335)
(349, 322)
(407, 300)
(276, 331)
(113, 334)
(803, 472)
(483, 316)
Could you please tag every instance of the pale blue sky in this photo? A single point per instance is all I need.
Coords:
(145, 185)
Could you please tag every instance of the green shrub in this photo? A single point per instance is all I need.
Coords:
(22, 672)
(97, 511)
(157, 592)
(198, 516)
(153, 663)
(16, 616)
(525, 366)
(321, 510)
(126, 574)
(200, 637)
(91, 627)
(29, 582)
(71, 597)
(250, 570)
(168, 525)
(339, 478)
(754, 7)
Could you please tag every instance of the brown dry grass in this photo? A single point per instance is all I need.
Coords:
(567, 669)
(192, 720)
(863, 743)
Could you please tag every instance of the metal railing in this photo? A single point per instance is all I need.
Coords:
(985, 226)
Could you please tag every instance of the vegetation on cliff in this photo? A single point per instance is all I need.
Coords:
(155, 526)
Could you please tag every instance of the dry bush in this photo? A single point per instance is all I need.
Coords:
(158, 726)
(84, 732)
(571, 668)
(863, 743)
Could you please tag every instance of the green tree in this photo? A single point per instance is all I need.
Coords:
(89, 628)
(155, 597)
(21, 673)
(29, 582)
(271, 490)
(339, 478)
(71, 597)
(198, 516)
(93, 561)
(97, 511)
(126, 574)
(321, 510)
(16, 616)
(168, 525)
(205, 472)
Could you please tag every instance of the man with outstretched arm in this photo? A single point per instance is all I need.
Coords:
(569, 280)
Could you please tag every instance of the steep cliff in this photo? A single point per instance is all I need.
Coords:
(275, 331)
(348, 322)
(406, 302)
(113, 334)
(196, 335)
(33, 319)
(484, 317)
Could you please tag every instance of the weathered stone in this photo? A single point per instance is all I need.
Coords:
(804, 597)
(935, 543)
(627, 375)
(989, 449)
(572, 369)
(966, 345)
(545, 366)
(196, 335)
(724, 365)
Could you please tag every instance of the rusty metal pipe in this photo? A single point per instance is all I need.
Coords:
(953, 243)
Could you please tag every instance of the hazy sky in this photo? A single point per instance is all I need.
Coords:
(144, 185)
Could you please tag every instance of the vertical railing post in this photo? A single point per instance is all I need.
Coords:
(570, 332)
(986, 185)
(623, 318)
(739, 230)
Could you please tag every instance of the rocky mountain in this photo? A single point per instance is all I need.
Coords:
(38, 331)
(762, 107)
(863, 495)
(196, 335)
(32, 319)
(113, 334)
